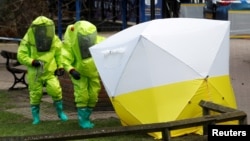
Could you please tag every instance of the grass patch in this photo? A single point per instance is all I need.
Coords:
(17, 125)
(3, 99)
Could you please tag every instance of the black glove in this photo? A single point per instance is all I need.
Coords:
(59, 72)
(75, 74)
(36, 63)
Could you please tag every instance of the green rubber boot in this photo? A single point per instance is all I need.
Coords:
(83, 117)
(35, 114)
(59, 110)
(89, 113)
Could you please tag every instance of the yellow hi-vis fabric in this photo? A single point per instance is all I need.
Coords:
(178, 101)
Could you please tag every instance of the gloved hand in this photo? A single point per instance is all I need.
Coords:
(36, 63)
(75, 74)
(59, 71)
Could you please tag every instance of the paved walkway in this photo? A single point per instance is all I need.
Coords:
(239, 72)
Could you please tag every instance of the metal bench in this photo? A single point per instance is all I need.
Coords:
(15, 68)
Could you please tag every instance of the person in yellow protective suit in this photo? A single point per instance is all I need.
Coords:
(40, 51)
(79, 64)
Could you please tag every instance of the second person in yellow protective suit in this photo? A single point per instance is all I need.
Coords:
(80, 65)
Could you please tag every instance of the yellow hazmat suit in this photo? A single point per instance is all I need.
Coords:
(40, 51)
(80, 65)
